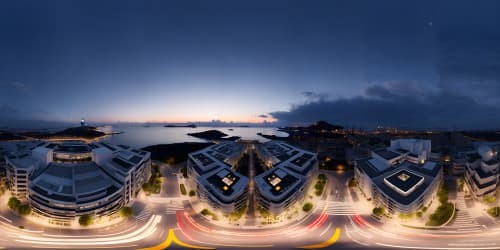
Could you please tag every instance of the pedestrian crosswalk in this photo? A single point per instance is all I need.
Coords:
(165, 208)
(463, 220)
(172, 208)
(337, 207)
(144, 214)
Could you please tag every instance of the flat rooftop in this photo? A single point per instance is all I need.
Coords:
(223, 180)
(22, 159)
(73, 148)
(212, 157)
(301, 160)
(404, 180)
(281, 150)
(67, 181)
(279, 183)
(223, 183)
(387, 154)
(203, 159)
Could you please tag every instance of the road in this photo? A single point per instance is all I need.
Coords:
(250, 215)
(168, 219)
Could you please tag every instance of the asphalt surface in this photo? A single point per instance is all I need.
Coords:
(154, 217)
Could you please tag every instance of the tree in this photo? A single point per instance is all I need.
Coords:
(14, 203)
(490, 199)
(126, 212)
(183, 189)
(146, 187)
(171, 161)
(184, 172)
(192, 193)
(353, 183)
(24, 209)
(85, 220)
(307, 207)
(378, 211)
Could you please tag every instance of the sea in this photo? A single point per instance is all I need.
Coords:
(143, 136)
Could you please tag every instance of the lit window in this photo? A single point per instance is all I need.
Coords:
(403, 177)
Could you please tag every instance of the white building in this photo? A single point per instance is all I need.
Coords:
(224, 189)
(482, 175)
(210, 172)
(400, 177)
(69, 179)
(290, 171)
(288, 175)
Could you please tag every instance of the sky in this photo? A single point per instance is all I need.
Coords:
(419, 64)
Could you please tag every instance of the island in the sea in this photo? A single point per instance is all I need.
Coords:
(180, 126)
(214, 135)
(272, 137)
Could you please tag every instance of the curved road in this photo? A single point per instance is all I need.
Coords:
(160, 215)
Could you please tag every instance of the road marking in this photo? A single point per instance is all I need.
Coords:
(329, 242)
(247, 246)
(172, 238)
(10, 221)
(326, 230)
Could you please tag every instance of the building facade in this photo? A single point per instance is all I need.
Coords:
(290, 172)
(211, 173)
(64, 180)
(481, 171)
(400, 177)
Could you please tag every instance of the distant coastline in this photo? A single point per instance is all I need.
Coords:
(83, 132)
(180, 126)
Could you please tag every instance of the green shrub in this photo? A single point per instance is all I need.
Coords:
(378, 211)
(184, 172)
(126, 212)
(146, 187)
(24, 209)
(443, 194)
(14, 203)
(490, 199)
(205, 212)
(420, 214)
(183, 189)
(406, 216)
(353, 183)
(441, 215)
(307, 207)
(85, 220)
(494, 211)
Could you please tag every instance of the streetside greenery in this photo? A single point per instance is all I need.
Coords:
(320, 184)
(445, 210)
(17, 206)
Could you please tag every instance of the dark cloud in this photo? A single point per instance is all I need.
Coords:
(263, 116)
(469, 62)
(314, 97)
(397, 104)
